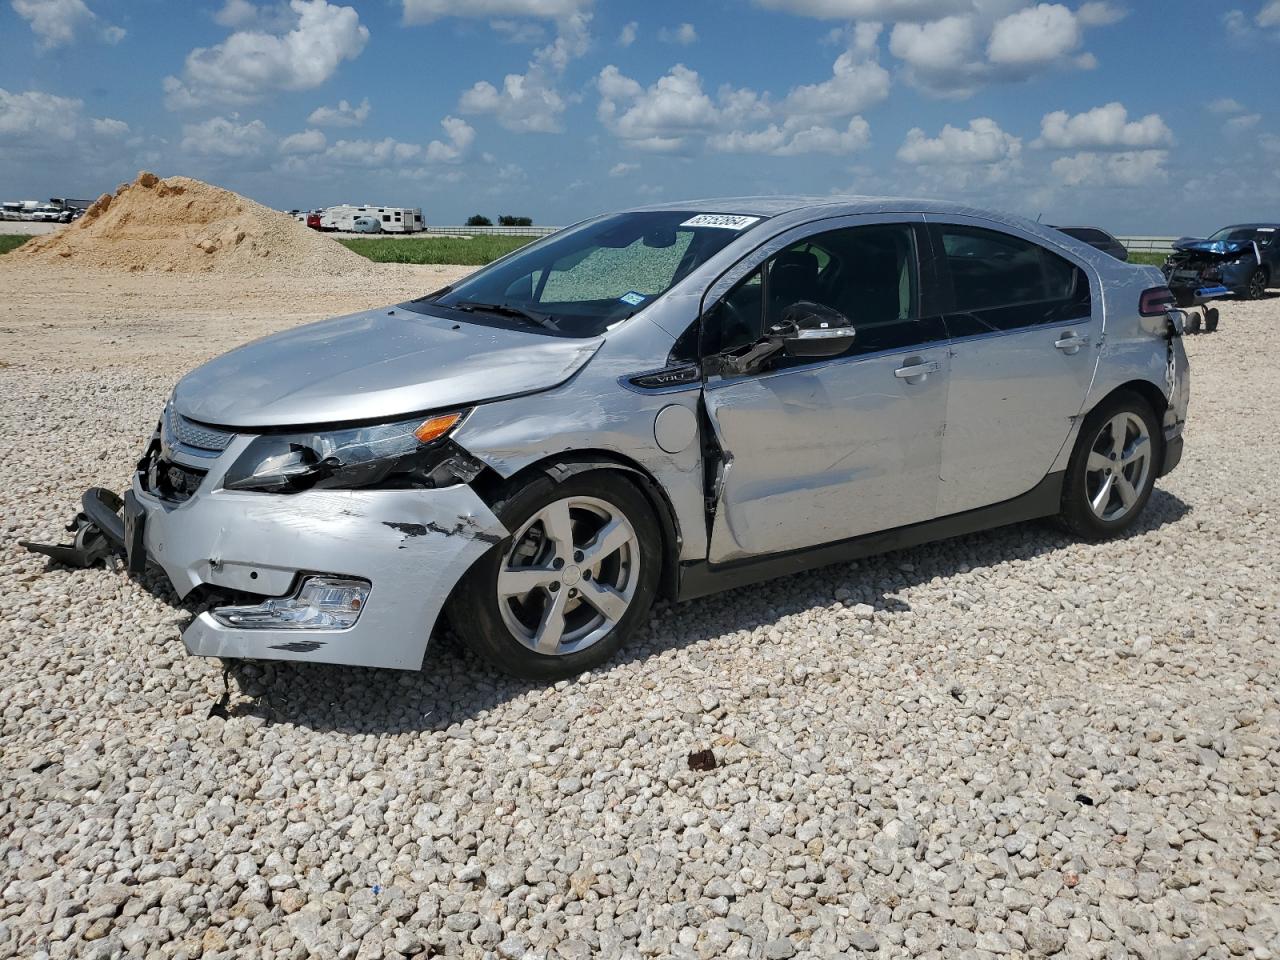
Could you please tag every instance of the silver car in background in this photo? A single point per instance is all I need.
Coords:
(668, 401)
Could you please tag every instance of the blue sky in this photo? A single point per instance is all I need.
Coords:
(1148, 116)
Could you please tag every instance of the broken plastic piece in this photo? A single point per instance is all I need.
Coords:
(702, 760)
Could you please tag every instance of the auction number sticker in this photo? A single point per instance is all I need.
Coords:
(725, 221)
(632, 298)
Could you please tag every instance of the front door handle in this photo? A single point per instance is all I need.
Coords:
(915, 372)
(1070, 344)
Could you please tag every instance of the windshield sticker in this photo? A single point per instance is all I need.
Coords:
(632, 299)
(725, 221)
(1266, 229)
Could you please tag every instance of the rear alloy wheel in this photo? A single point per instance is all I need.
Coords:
(1257, 284)
(1113, 468)
(573, 581)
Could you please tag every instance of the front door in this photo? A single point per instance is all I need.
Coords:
(821, 450)
(1026, 333)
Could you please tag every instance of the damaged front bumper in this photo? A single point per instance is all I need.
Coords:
(1195, 280)
(356, 577)
(410, 546)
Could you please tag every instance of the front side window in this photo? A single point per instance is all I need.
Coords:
(866, 273)
(1002, 282)
(580, 282)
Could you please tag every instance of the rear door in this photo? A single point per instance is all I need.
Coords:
(1025, 328)
(821, 450)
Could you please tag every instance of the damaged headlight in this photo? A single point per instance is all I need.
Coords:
(407, 453)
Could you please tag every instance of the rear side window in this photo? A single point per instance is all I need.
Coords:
(1002, 282)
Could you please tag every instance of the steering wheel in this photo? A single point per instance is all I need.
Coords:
(734, 324)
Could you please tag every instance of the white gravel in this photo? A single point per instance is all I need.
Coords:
(1005, 745)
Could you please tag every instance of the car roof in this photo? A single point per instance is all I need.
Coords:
(1250, 226)
(837, 206)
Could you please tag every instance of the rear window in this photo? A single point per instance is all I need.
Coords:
(1001, 282)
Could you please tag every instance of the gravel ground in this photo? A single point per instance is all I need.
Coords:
(1004, 745)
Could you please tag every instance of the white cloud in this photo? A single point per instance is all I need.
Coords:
(941, 55)
(1269, 16)
(228, 138)
(236, 13)
(56, 22)
(35, 115)
(982, 142)
(1102, 128)
(622, 169)
(627, 36)
(790, 140)
(1134, 168)
(530, 102)
(1038, 35)
(50, 139)
(107, 127)
(1226, 105)
(993, 41)
(519, 31)
(251, 64)
(869, 9)
(675, 113)
(1236, 23)
(1246, 121)
(425, 11)
(1270, 143)
(857, 81)
(382, 153)
(343, 115)
(684, 34)
(1103, 14)
(307, 141)
(661, 116)
(461, 135)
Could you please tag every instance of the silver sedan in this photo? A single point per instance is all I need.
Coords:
(666, 401)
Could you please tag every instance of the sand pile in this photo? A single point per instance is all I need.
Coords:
(182, 225)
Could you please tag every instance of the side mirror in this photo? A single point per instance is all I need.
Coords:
(813, 330)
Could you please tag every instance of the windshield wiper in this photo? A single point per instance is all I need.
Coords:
(506, 310)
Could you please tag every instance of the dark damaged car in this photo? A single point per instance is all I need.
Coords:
(1243, 260)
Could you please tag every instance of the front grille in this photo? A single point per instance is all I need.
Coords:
(197, 435)
(172, 481)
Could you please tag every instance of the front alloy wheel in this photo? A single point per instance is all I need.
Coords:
(572, 583)
(569, 576)
(1118, 464)
(1257, 284)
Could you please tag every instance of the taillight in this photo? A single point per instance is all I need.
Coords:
(1155, 301)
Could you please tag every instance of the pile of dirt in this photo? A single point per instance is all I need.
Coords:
(182, 225)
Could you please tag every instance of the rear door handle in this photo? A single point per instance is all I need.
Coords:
(1069, 343)
(916, 371)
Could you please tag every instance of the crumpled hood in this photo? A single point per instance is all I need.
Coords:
(377, 364)
(1220, 248)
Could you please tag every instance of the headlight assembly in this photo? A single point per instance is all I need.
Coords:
(406, 453)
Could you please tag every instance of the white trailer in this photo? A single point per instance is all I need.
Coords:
(392, 219)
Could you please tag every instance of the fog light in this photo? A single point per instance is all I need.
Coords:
(320, 603)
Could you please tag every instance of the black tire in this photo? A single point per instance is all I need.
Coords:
(1192, 324)
(1211, 320)
(475, 612)
(1257, 288)
(1078, 516)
